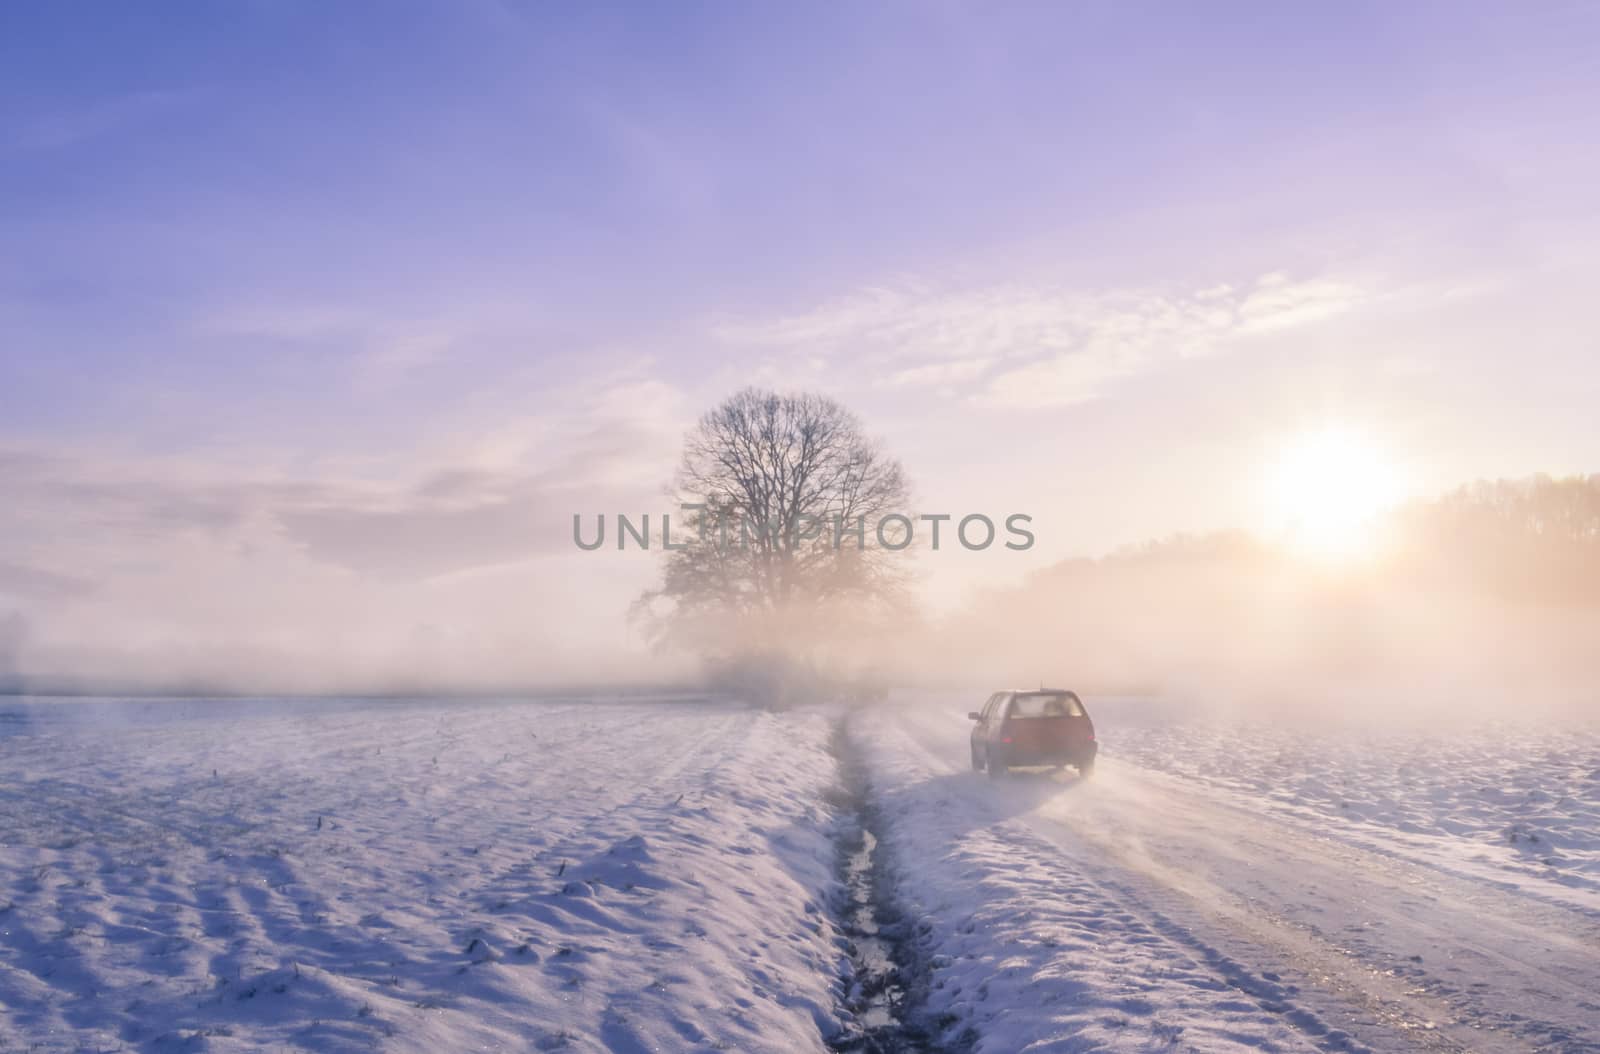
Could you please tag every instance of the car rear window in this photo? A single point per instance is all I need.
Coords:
(1046, 704)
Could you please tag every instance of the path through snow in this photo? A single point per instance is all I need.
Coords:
(1137, 905)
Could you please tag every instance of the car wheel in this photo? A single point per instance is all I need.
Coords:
(977, 764)
(994, 771)
(1086, 770)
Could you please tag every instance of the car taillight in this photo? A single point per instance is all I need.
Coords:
(1005, 739)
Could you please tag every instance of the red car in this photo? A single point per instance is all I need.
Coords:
(1019, 729)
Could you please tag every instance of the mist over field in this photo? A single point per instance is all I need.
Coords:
(1481, 603)
(1478, 601)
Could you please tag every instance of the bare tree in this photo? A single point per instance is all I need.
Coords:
(784, 495)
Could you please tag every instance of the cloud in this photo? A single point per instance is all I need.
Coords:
(55, 496)
(1064, 380)
(1016, 345)
(1277, 303)
(19, 581)
(451, 517)
(317, 584)
(939, 373)
(245, 571)
(460, 519)
(916, 321)
(423, 539)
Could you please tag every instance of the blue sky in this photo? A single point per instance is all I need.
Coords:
(305, 305)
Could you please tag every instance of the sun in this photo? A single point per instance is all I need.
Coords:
(1328, 490)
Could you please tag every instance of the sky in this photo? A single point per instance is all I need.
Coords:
(318, 323)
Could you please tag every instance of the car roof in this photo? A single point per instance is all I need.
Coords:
(1042, 691)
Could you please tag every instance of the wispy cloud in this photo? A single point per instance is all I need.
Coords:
(503, 497)
(1065, 379)
(939, 373)
(1039, 346)
(1277, 303)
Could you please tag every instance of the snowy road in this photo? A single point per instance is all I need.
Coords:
(1139, 906)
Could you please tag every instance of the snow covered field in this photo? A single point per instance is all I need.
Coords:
(1508, 799)
(422, 877)
(587, 875)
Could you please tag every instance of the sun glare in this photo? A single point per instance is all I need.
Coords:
(1329, 489)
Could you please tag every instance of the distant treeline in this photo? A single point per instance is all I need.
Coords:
(1534, 540)
(1496, 582)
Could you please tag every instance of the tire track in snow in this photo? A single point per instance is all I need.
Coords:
(1498, 973)
(1265, 988)
(1305, 893)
